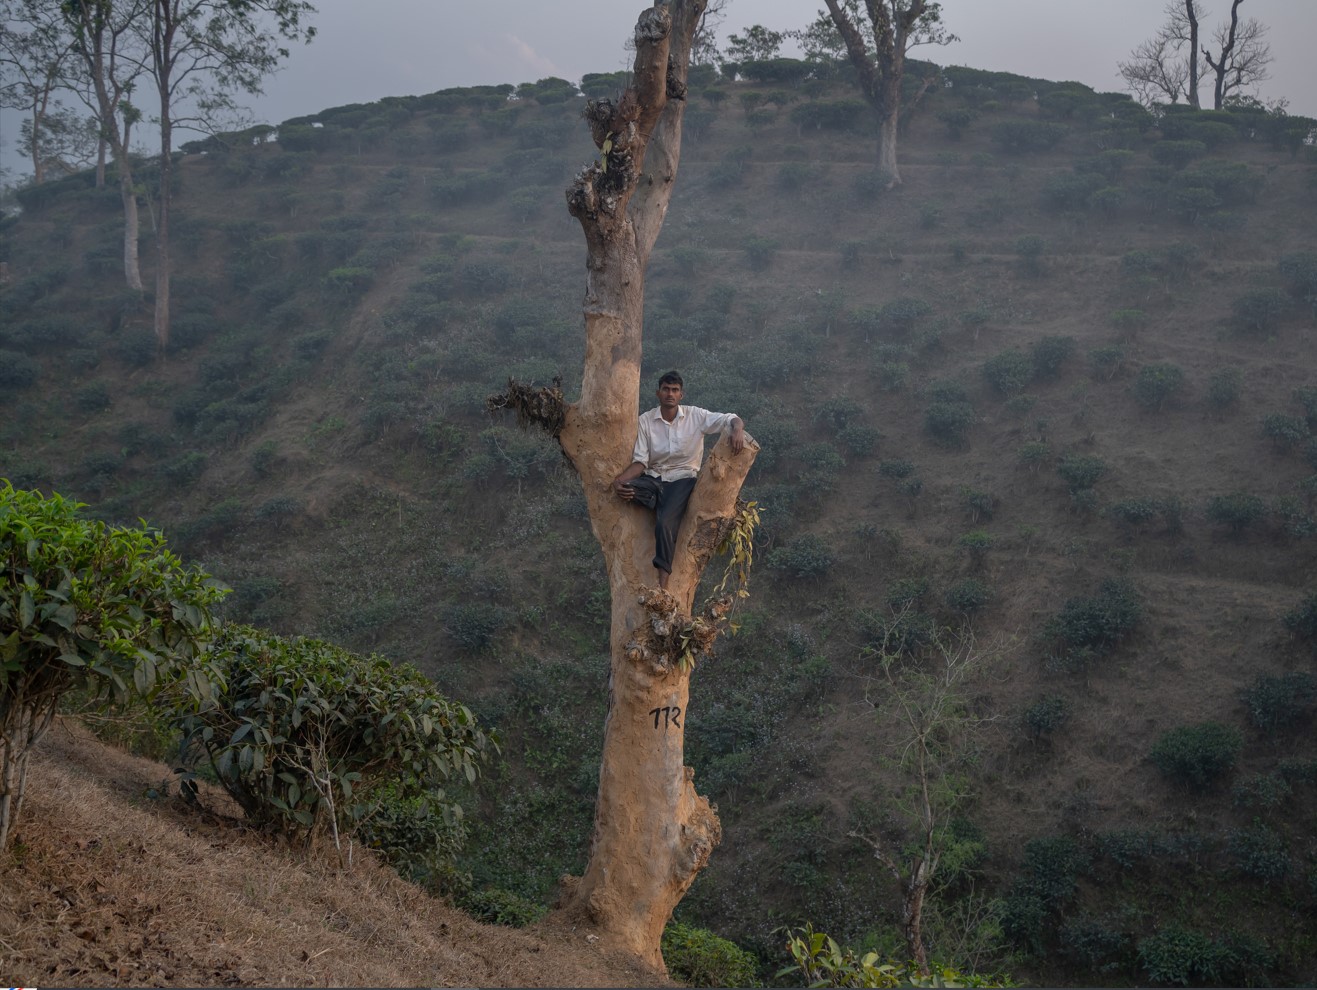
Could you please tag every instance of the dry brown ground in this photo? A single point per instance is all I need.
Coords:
(109, 885)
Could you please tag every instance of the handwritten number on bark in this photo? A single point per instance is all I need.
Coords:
(671, 716)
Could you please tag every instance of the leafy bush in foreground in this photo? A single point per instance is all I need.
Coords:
(84, 605)
(305, 734)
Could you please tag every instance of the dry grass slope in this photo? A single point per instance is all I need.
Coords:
(112, 885)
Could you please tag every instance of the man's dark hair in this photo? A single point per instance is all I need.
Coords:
(671, 378)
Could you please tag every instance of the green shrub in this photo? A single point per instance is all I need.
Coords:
(1034, 453)
(1046, 715)
(859, 440)
(1258, 310)
(1080, 471)
(906, 592)
(1049, 354)
(1009, 371)
(1094, 945)
(1267, 791)
(967, 596)
(699, 958)
(896, 469)
(902, 314)
(1134, 512)
(413, 835)
(1197, 755)
(805, 557)
(1051, 868)
(1092, 625)
(1276, 702)
(949, 422)
(1180, 956)
(85, 606)
(497, 906)
(1285, 432)
(1177, 154)
(1223, 388)
(136, 347)
(976, 543)
(474, 625)
(1301, 620)
(1158, 384)
(1260, 853)
(305, 735)
(981, 505)
(1126, 847)
(1236, 511)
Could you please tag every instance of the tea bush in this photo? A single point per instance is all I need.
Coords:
(1236, 511)
(1258, 310)
(1009, 371)
(1046, 715)
(306, 735)
(1260, 853)
(1285, 432)
(1158, 384)
(967, 596)
(805, 557)
(1080, 471)
(1223, 388)
(1301, 620)
(1276, 702)
(86, 606)
(1197, 755)
(1092, 625)
(699, 958)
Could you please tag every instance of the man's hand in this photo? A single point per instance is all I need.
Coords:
(737, 438)
(622, 483)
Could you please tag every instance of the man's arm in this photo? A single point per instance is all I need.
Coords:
(622, 483)
(737, 439)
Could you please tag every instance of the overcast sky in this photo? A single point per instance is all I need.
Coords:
(367, 50)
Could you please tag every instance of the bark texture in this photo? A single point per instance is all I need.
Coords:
(652, 832)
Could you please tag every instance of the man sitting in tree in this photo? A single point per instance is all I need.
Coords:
(669, 450)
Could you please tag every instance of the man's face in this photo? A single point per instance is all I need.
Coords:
(669, 395)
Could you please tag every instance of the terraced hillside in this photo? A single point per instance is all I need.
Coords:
(1057, 392)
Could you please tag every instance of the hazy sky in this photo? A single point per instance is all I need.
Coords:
(367, 50)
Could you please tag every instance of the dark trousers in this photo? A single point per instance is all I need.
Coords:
(668, 500)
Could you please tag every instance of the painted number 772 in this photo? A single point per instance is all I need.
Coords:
(670, 714)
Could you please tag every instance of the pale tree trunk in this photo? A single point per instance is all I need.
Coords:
(163, 261)
(887, 150)
(1191, 15)
(165, 26)
(652, 831)
(131, 269)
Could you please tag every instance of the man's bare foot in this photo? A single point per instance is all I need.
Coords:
(663, 580)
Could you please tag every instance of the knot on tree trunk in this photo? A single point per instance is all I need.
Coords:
(675, 82)
(671, 639)
(539, 406)
(700, 835)
(653, 25)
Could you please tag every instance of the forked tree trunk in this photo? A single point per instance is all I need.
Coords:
(652, 832)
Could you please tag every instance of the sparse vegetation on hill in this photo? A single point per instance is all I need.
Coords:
(1056, 385)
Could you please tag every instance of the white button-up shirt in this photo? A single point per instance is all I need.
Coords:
(673, 451)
